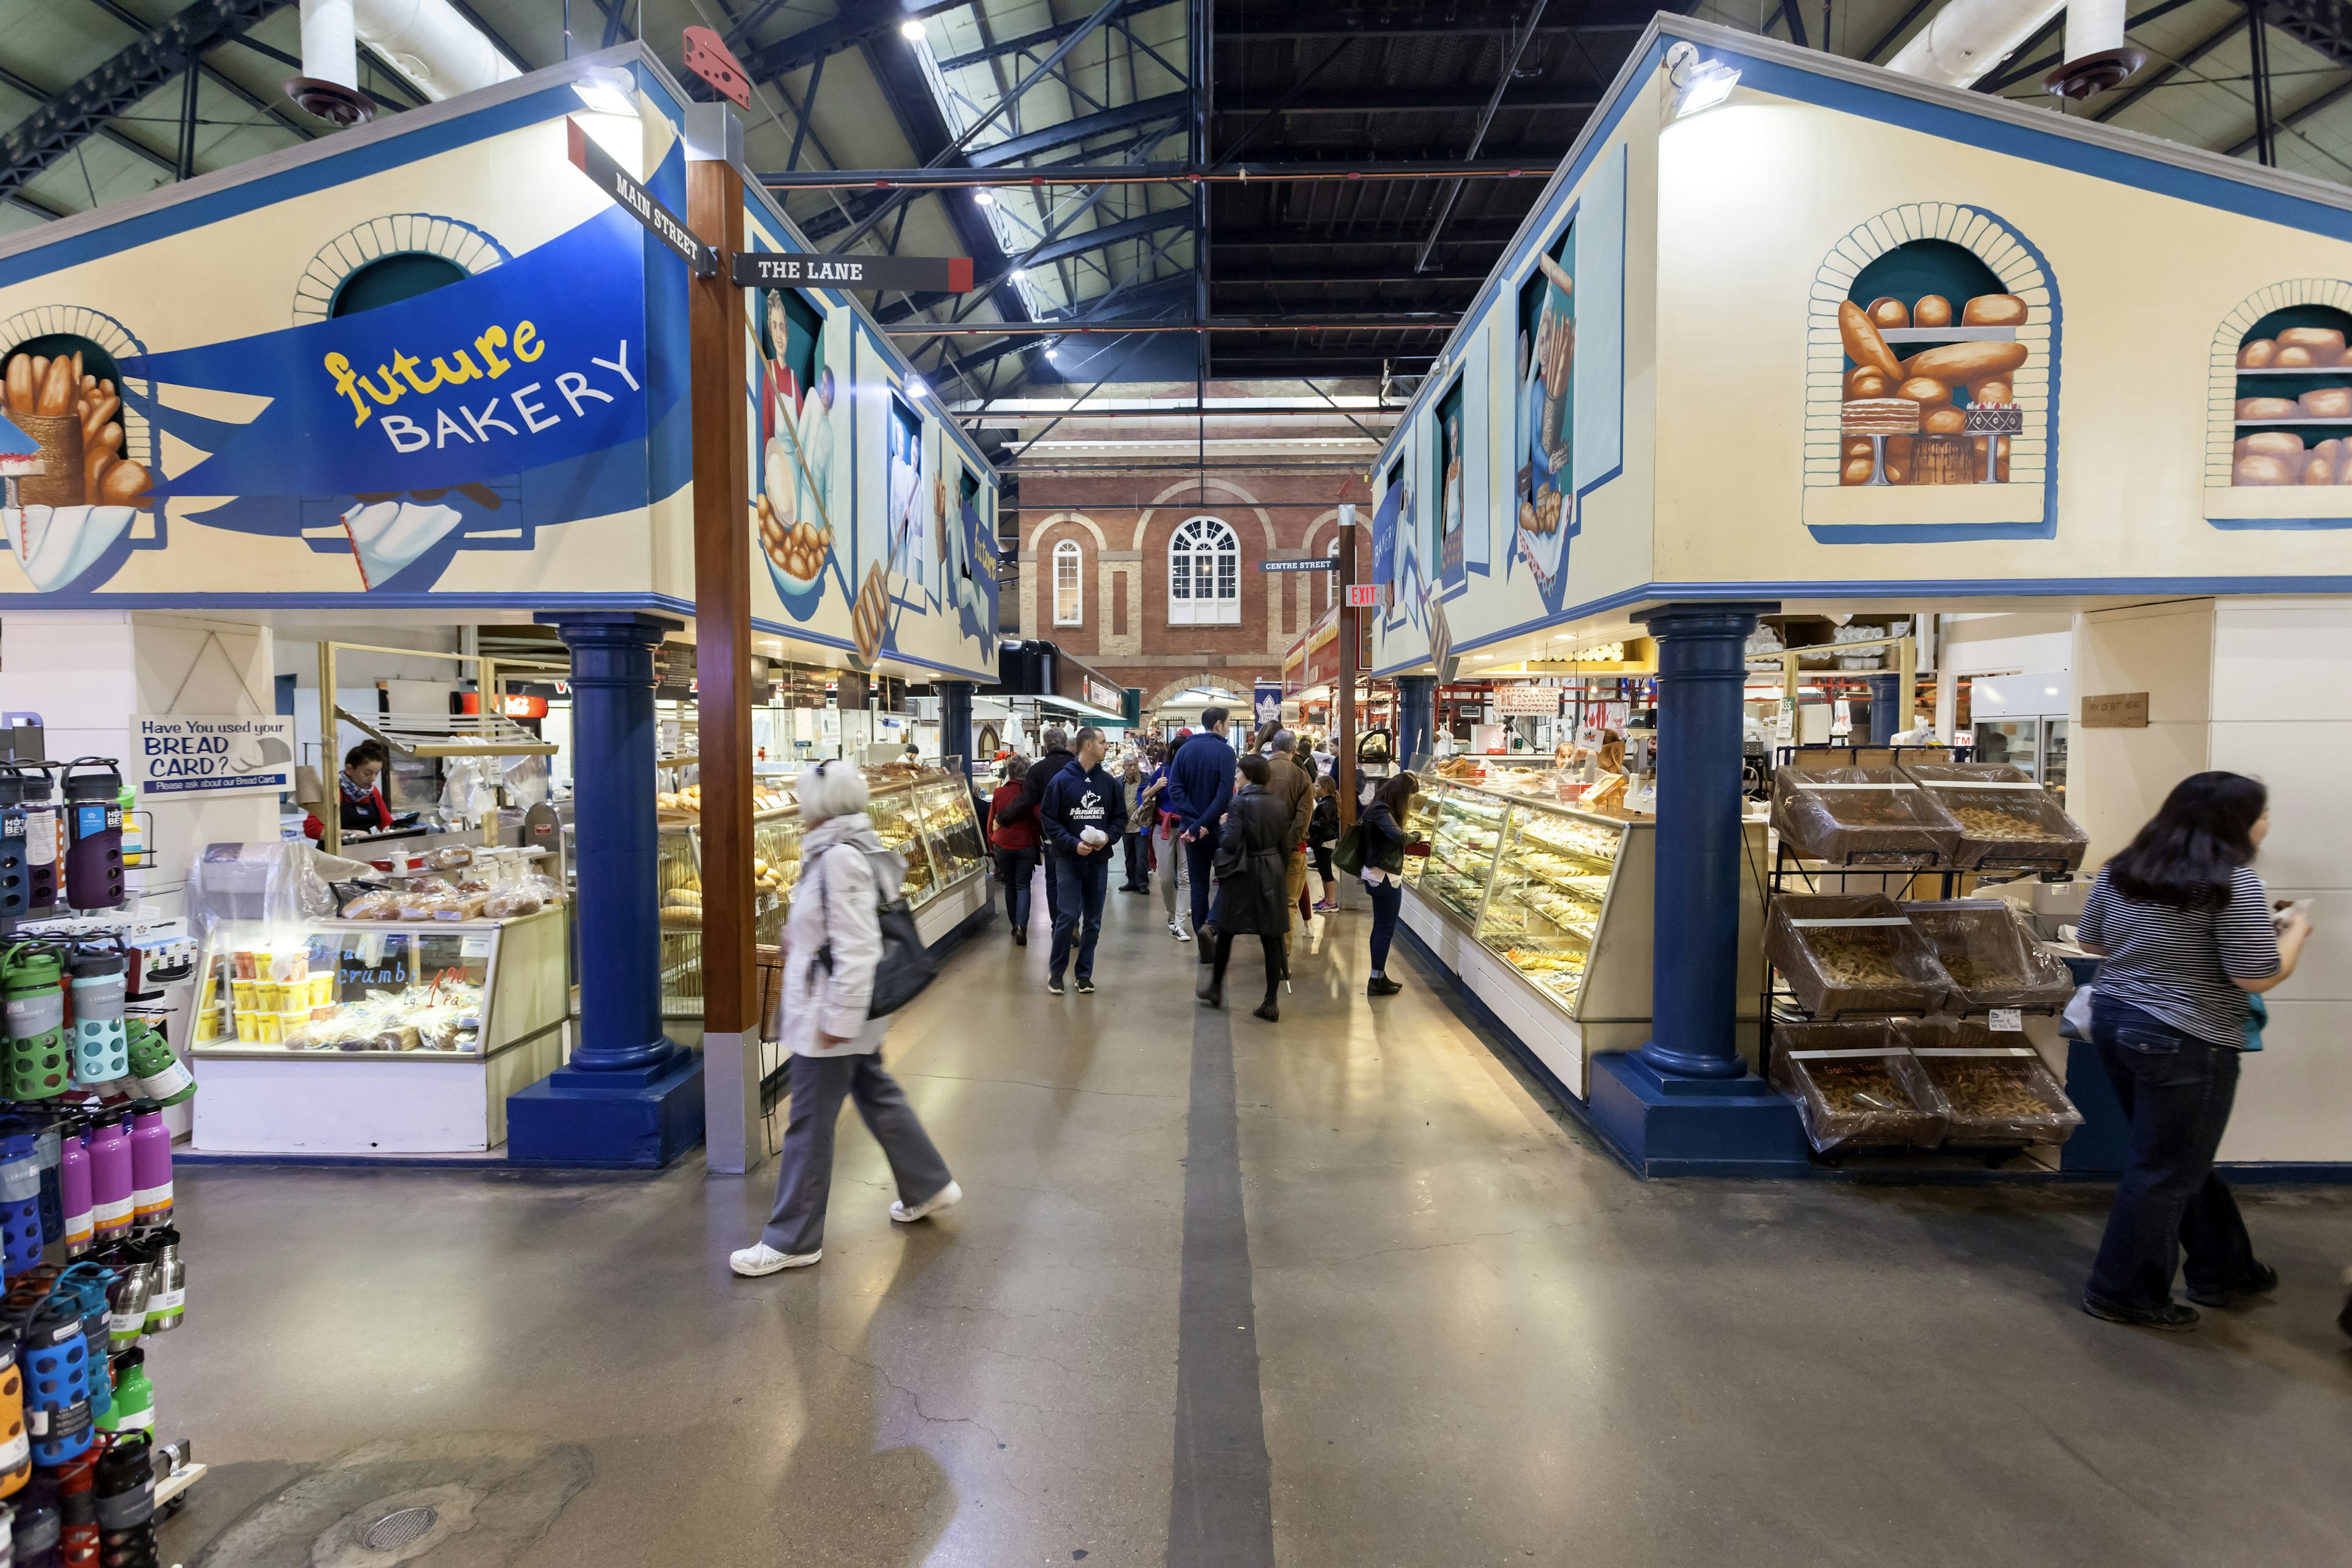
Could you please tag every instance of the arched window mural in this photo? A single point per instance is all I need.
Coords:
(1933, 354)
(1203, 575)
(80, 455)
(2280, 398)
(350, 272)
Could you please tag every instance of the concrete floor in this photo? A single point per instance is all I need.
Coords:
(1341, 1291)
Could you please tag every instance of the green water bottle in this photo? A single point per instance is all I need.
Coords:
(134, 1396)
(161, 1076)
(32, 977)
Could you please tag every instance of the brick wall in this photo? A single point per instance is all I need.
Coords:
(1122, 524)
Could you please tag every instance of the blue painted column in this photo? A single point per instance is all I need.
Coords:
(614, 838)
(1887, 714)
(955, 720)
(1694, 977)
(1416, 710)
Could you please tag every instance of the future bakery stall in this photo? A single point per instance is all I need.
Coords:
(425, 374)
(1789, 336)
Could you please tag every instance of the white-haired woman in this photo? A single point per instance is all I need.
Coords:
(832, 943)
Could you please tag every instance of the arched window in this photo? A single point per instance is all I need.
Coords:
(1204, 572)
(1070, 594)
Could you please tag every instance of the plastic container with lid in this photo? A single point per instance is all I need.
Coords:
(1860, 817)
(1993, 959)
(2006, 820)
(2000, 1091)
(1852, 954)
(1855, 1085)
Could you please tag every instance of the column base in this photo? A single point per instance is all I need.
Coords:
(639, 1119)
(1668, 1126)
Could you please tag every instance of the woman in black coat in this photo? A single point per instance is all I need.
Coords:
(1251, 853)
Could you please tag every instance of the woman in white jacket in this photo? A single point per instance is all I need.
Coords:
(832, 942)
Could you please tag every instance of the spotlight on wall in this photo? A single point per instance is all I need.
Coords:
(607, 90)
(1698, 84)
(916, 387)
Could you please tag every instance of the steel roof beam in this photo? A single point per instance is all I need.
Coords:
(2189, 56)
(1275, 22)
(1461, 97)
(1102, 122)
(2296, 116)
(1535, 164)
(121, 139)
(1030, 43)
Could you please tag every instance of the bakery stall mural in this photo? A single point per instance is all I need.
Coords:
(78, 460)
(796, 452)
(1933, 364)
(1544, 488)
(2282, 408)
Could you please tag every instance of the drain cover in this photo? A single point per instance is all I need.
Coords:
(394, 1531)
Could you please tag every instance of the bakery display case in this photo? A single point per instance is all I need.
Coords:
(896, 823)
(1464, 830)
(950, 830)
(1549, 888)
(374, 1036)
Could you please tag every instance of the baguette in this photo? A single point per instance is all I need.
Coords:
(2328, 403)
(1925, 390)
(20, 384)
(1994, 310)
(1967, 361)
(2269, 408)
(57, 388)
(1862, 343)
(2329, 338)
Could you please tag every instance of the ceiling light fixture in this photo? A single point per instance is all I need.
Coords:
(984, 199)
(1698, 84)
(911, 30)
(607, 90)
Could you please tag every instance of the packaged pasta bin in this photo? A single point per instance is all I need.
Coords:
(1993, 959)
(1998, 1092)
(1860, 817)
(1853, 953)
(2006, 819)
(1857, 1086)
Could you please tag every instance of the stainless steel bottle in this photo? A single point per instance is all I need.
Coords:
(169, 1297)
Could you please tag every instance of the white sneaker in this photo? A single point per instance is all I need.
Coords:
(1176, 929)
(947, 1197)
(754, 1262)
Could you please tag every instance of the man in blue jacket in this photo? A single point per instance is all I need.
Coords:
(1082, 817)
(1200, 787)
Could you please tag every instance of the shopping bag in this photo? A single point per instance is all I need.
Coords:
(1348, 855)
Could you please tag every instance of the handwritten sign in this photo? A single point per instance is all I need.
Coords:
(2115, 710)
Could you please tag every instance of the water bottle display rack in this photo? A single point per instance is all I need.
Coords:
(61, 839)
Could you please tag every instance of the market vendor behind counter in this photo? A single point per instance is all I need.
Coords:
(359, 791)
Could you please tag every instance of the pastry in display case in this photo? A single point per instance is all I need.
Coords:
(1993, 959)
(1852, 952)
(1856, 1084)
(1550, 883)
(1845, 815)
(950, 830)
(895, 823)
(1999, 1095)
(2007, 819)
(1463, 828)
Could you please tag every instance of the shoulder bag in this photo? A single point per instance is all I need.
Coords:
(905, 965)
(1348, 854)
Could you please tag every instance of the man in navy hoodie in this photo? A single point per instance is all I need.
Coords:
(1200, 787)
(1082, 817)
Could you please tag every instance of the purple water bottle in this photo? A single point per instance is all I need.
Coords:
(73, 1187)
(94, 834)
(151, 1164)
(109, 1177)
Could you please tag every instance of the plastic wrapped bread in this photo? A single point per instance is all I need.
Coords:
(1854, 1085)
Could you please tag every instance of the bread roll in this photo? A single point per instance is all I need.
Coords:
(1932, 311)
(125, 484)
(1855, 472)
(1863, 381)
(1965, 363)
(1857, 446)
(2261, 470)
(1990, 391)
(2292, 356)
(1886, 313)
(2274, 443)
(2328, 338)
(1994, 310)
(1944, 421)
(1925, 390)
(2328, 403)
(2269, 408)
(2318, 470)
(1862, 343)
(2332, 450)
(2257, 354)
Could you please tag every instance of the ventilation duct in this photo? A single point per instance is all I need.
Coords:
(1966, 40)
(439, 51)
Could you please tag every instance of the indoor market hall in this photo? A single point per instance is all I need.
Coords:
(1370, 784)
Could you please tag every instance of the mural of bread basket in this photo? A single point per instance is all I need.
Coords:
(70, 491)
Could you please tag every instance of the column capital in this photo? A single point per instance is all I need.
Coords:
(1729, 618)
(609, 627)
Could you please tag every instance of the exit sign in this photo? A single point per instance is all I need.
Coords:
(1363, 596)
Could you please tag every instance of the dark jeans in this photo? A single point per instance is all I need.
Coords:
(1138, 862)
(804, 1170)
(1387, 898)
(1272, 946)
(1200, 857)
(1082, 880)
(1015, 869)
(2177, 1090)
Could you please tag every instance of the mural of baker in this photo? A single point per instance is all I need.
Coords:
(1547, 370)
(71, 490)
(797, 496)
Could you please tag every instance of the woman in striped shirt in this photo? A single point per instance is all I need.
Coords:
(2185, 932)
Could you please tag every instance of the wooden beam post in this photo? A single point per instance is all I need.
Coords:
(1348, 636)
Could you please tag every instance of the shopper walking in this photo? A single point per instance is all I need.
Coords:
(1253, 848)
(1322, 832)
(832, 946)
(1014, 834)
(1200, 787)
(1080, 816)
(1133, 837)
(2187, 936)
(1043, 772)
(1387, 825)
(1168, 837)
(1292, 783)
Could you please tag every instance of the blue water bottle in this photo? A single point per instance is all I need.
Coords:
(55, 1353)
(90, 1284)
(20, 1203)
(101, 1045)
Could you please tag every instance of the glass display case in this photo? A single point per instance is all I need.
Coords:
(896, 823)
(950, 832)
(1464, 827)
(1550, 884)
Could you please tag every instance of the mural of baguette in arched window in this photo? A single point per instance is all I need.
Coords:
(72, 486)
(2282, 377)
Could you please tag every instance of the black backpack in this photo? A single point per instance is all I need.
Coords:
(906, 966)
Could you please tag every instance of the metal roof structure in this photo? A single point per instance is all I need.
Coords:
(1321, 207)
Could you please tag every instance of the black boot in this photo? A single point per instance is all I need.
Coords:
(1268, 1011)
(1381, 985)
(1211, 989)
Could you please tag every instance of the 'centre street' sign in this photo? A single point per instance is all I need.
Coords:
(1320, 563)
(914, 274)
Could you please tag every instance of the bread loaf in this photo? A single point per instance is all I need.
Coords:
(2328, 403)
(1855, 472)
(1932, 311)
(1862, 343)
(1994, 310)
(1944, 421)
(1990, 391)
(2318, 470)
(2292, 356)
(2271, 443)
(1865, 380)
(2329, 338)
(1925, 390)
(2262, 469)
(2257, 354)
(1888, 312)
(1965, 363)
(2269, 408)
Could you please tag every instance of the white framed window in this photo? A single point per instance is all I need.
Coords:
(1069, 590)
(1204, 570)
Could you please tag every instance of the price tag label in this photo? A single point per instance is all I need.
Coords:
(2008, 1021)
